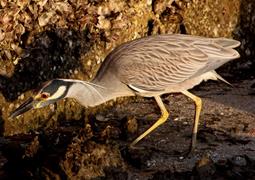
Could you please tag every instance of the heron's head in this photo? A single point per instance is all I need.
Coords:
(48, 93)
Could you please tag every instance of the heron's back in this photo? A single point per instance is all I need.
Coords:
(156, 62)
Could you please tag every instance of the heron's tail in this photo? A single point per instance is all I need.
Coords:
(222, 79)
(218, 77)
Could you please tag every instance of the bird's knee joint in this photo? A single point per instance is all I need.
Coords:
(165, 114)
(163, 117)
(198, 101)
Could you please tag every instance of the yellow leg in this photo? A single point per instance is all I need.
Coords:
(198, 103)
(161, 120)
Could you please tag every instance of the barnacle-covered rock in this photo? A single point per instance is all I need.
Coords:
(103, 23)
(45, 18)
(63, 7)
(22, 3)
(2, 35)
(213, 18)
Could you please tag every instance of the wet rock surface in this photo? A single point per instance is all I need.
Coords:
(42, 40)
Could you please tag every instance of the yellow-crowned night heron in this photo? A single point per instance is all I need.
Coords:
(148, 67)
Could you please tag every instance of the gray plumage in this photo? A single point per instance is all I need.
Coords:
(148, 67)
(164, 64)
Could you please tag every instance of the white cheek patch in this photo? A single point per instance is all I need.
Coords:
(61, 90)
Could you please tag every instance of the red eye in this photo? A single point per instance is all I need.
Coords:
(44, 96)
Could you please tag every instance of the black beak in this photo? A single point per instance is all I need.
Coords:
(26, 106)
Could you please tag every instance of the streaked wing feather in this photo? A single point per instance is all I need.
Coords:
(217, 55)
(155, 62)
(164, 66)
(227, 43)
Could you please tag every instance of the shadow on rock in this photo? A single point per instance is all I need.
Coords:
(52, 54)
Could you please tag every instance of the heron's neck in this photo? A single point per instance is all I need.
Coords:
(90, 94)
